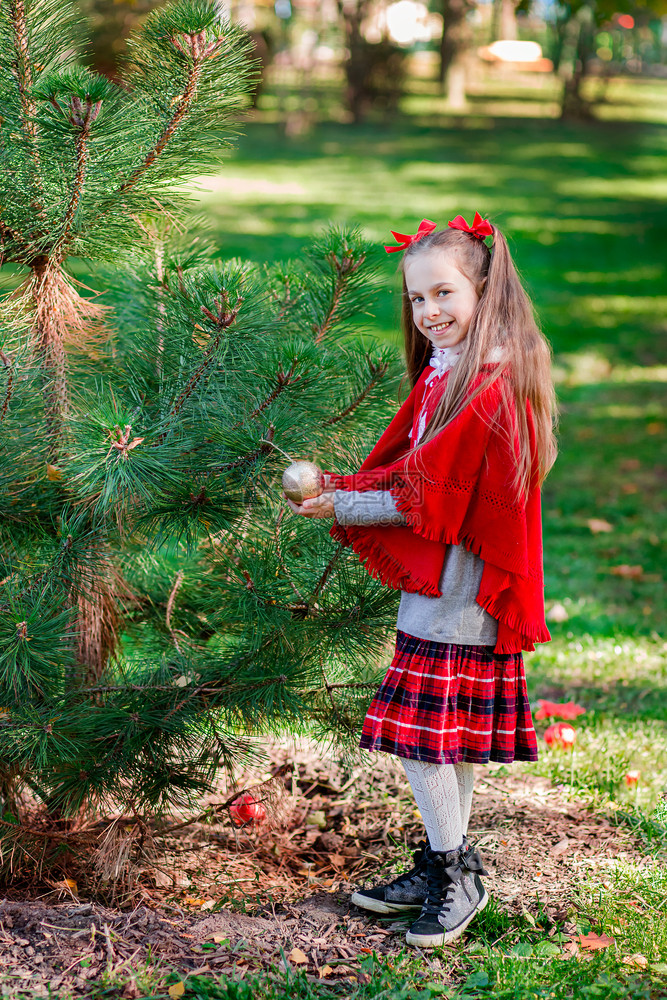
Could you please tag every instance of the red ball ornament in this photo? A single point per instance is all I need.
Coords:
(246, 809)
(560, 735)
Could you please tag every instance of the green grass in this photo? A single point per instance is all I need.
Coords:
(516, 959)
(584, 206)
(580, 202)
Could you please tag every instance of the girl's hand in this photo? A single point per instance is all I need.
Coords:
(321, 506)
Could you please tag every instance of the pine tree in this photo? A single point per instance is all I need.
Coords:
(159, 606)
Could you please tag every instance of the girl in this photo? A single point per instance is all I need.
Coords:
(446, 508)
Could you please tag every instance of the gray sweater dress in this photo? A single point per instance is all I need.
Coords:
(437, 705)
(455, 617)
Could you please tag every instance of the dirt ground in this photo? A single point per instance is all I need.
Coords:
(227, 900)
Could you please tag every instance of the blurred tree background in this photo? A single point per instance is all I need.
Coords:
(110, 27)
(371, 47)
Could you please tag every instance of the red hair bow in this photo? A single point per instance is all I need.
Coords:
(480, 227)
(425, 227)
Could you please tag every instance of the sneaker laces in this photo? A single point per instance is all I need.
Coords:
(445, 871)
(417, 869)
(439, 885)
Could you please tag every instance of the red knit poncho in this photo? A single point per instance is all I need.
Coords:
(456, 490)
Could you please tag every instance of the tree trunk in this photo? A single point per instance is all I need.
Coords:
(574, 104)
(454, 42)
(508, 28)
(503, 20)
(352, 13)
(558, 34)
(456, 86)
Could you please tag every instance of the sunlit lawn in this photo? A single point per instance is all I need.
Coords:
(584, 205)
(585, 208)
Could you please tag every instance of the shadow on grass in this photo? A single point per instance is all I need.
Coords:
(578, 204)
(604, 516)
(615, 698)
(587, 229)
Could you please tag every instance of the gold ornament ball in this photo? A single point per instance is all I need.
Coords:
(302, 480)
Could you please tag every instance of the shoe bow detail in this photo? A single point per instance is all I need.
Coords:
(463, 861)
(472, 860)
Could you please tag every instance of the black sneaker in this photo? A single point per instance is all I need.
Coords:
(407, 892)
(455, 895)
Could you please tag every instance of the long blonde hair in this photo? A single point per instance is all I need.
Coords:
(502, 326)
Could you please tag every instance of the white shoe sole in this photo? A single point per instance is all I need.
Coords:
(379, 906)
(435, 940)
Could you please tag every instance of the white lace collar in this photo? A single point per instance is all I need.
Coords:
(442, 360)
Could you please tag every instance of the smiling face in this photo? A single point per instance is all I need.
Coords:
(443, 298)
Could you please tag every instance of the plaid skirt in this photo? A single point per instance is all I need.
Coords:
(447, 704)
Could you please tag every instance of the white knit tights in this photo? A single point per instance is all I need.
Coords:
(443, 793)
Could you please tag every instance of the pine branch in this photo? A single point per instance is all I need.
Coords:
(170, 606)
(328, 569)
(377, 372)
(237, 463)
(24, 82)
(343, 268)
(283, 380)
(359, 686)
(328, 688)
(81, 116)
(122, 441)
(326, 324)
(81, 164)
(286, 303)
(194, 379)
(6, 361)
(199, 50)
(45, 834)
(225, 316)
(216, 810)
(224, 319)
(205, 689)
(161, 831)
(281, 561)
